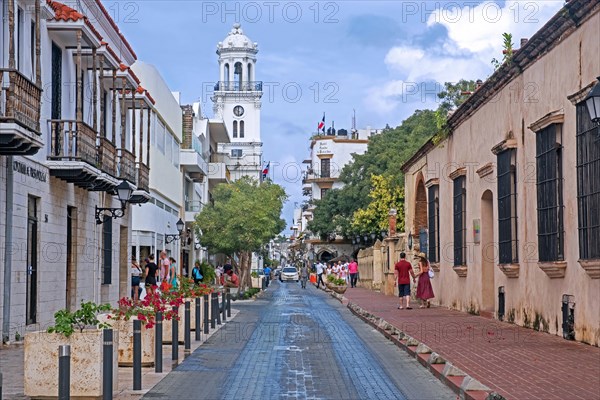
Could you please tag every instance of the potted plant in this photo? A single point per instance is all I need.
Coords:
(122, 319)
(339, 286)
(256, 280)
(81, 330)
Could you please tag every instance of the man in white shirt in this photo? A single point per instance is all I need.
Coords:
(320, 274)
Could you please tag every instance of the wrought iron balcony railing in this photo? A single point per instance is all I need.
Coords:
(225, 86)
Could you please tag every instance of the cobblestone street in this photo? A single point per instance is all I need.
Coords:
(298, 344)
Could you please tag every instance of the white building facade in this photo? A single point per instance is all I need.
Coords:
(62, 157)
(237, 102)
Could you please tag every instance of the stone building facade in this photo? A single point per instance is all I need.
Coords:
(507, 206)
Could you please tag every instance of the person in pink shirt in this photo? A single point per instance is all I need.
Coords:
(353, 270)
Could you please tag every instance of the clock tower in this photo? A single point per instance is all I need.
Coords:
(237, 101)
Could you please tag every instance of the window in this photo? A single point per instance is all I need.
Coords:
(550, 194)
(56, 86)
(325, 168)
(226, 73)
(175, 153)
(241, 129)
(323, 193)
(160, 137)
(588, 185)
(107, 251)
(235, 129)
(507, 207)
(237, 75)
(434, 223)
(236, 153)
(460, 220)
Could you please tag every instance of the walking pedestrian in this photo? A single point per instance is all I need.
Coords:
(353, 269)
(136, 277)
(151, 274)
(197, 273)
(424, 289)
(303, 275)
(402, 272)
(320, 275)
(173, 274)
(267, 272)
(164, 263)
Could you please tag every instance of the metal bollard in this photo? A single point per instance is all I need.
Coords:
(137, 354)
(64, 372)
(263, 283)
(107, 367)
(224, 305)
(213, 314)
(197, 327)
(217, 309)
(228, 303)
(158, 339)
(187, 328)
(175, 335)
(206, 314)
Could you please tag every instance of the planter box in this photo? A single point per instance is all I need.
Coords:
(41, 363)
(168, 325)
(125, 329)
(339, 289)
(257, 283)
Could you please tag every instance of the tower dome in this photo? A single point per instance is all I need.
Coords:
(236, 40)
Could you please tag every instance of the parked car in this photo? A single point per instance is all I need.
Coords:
(290, 274)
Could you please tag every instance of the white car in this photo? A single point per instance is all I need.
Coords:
(289, 274)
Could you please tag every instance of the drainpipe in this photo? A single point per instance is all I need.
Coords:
(8, 249)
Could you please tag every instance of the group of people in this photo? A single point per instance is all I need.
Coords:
(152, 273)
(346, 271)
(403, 272)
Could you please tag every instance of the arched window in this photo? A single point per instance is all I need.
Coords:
(237, 75)
(249, 72)
(226, 73)
(241, 129)
(235, 129)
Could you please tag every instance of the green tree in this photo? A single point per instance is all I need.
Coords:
(384, 195)
(244, 217)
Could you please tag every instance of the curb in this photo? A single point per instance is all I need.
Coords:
(465, 386)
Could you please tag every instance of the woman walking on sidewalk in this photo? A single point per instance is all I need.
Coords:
(424, 289)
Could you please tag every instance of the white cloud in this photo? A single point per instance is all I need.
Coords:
(474, 38)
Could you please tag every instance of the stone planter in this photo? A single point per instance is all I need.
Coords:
(257, 283)
(168, 325)
(41, 363)
(339, 289)
(125, 329)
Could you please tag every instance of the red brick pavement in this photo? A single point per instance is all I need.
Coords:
(516, 362)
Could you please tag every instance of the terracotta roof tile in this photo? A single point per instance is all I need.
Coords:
(115, 27)
(63, 12)
(150, 97)
(140, 89)
(134, 76)
(123, 67)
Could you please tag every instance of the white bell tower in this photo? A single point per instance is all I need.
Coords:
(237, 101)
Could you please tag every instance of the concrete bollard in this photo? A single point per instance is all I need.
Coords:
(175, 335)
(64, 373)
(206, 320)
(158, 339)
(187, 328)
(107, 365)
(198, 322)
(137, 354)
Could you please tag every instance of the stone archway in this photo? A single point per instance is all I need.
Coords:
(325, 255)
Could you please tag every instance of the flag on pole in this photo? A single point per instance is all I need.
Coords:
(321, 126)
(265, 170)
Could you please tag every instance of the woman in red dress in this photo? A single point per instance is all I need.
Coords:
(424, 289)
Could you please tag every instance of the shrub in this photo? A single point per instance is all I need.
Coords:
(65, 321)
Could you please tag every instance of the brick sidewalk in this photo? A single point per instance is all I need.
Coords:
(516, 362)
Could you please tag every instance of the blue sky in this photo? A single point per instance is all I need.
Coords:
(381, 58)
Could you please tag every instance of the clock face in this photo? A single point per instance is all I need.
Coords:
(238, 111)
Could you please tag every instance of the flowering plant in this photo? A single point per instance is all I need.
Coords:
(145, 310)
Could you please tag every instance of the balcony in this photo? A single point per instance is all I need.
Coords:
(107, 157)
(192, 207)
(142, 194)
(193, 164)
(218, 173)
(126, 169)
(74, 156)
(253, 86)
(19, 114)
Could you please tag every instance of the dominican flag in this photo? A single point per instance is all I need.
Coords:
(265, 170)
(321, 126)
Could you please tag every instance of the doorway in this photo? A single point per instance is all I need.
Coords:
(487, 252)
(32, 260)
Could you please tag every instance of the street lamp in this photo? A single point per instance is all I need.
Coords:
(384, 233)
(592, 101)
(124, 192)
(173, 237)
(373, 236)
